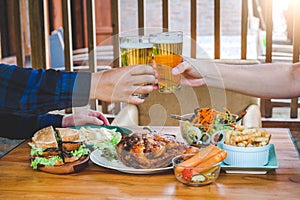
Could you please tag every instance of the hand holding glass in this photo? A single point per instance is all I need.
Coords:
(136, 50)
(167, 51)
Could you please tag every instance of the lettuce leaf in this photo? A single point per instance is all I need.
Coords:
(37, 151)
(81, 151)
(44, 161)
(116, 138)
(108, 150)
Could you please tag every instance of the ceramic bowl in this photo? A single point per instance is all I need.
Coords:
(246, 156)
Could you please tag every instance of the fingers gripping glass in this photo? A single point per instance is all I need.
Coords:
(136, 50)
(167, 52)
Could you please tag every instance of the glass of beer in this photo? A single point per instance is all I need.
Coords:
(167, 52)
(136, 50)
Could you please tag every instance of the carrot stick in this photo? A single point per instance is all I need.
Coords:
(221, 155)
(198, 158)
(212, 153)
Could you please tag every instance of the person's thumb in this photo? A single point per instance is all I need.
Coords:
(178, 69)
(95, 121)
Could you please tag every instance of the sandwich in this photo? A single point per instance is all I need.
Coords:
(44, 149)
(71, 145)
(50, 148)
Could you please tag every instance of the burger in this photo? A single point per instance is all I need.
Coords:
(72, 148)
(50, 148)
(44, 149)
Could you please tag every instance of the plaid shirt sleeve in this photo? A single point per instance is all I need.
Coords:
(39, 91)
(26, 125)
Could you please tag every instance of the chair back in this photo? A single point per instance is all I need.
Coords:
(57, 49)
(157, 107)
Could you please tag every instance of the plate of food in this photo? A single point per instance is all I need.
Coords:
(142, 153)
(98, 158)
(58, 151)
(93, 135)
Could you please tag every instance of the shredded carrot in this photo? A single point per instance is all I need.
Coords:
(207, 116)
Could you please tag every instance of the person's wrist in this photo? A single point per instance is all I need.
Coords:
(94, 83)
(67, 121)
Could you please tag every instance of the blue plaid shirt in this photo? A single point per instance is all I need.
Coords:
(26, 95)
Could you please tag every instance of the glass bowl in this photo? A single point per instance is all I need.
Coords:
(195, 176)
(202, 134)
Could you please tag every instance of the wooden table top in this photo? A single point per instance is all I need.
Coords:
(19, 180)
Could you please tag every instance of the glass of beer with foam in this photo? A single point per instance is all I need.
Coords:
(167, 52)
(136, 50)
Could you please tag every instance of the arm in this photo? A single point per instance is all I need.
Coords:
(273, 80)
(84, 117)
(21, 126)
(25, 125)
(40, 91)
(120, 83)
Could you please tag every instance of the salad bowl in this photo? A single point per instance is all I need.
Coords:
(207, 130)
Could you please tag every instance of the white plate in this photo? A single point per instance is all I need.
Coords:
(97, 158)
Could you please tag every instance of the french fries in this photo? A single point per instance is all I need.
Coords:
(247, 137)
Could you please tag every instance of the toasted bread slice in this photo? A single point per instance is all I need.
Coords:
(48, 154)
(71, 159)
(68, 134)
(44, 138)
(70, 146)
(58, 163)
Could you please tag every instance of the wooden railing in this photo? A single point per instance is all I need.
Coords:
(193, 21)
(296, 45)
(40, 41)
(39, 35)
(267, 104)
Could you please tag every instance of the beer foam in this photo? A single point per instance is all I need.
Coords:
(136, 45)
(167, 37)
(168, 40)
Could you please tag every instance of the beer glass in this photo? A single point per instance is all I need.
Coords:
(135, 50)
(167, 52)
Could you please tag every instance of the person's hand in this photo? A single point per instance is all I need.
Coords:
(190, 75)
(84, 117)
(119, 85)
(194, 72)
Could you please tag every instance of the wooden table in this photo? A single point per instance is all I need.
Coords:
(18, 180)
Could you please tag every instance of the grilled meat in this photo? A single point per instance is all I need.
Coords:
(148, 150)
